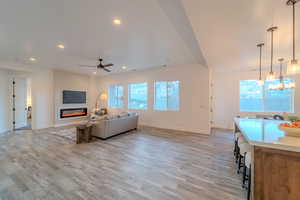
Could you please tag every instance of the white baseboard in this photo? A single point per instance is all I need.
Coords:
(174, 129)
(21, 125)
(222, 128)
(4, 131)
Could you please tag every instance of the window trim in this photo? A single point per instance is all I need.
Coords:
(128, 96)
(154, 96)
(117, 85)
(263, 96)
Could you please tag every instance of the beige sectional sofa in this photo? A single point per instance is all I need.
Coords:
(115, 124)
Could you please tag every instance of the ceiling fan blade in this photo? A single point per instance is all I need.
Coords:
(108, 65)
(107, 70)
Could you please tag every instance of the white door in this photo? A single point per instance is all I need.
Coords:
(20, 102)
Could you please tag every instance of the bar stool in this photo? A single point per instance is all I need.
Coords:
(247, 174)
(244, 148)
(240, 140)
(236, 136)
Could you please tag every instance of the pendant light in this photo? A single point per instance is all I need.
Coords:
(260, 81)
(271, 75)
(281, 85)
(293, 66)
(281, 75)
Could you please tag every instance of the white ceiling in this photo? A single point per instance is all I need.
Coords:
(153, 33)
(228, 31)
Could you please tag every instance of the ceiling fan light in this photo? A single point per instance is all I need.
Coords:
(293, 67)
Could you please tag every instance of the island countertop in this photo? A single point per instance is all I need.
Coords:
(265, 133)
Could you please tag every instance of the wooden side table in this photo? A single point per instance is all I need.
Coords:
(84, 133)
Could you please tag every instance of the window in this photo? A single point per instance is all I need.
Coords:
(166, 95)
(138, 96)
(116, 93)
(251, 96)
(279, 100)
(258, 98)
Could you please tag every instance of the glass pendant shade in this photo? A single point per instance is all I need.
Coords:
(282, 84)
(293, 68)
(271, 76)
(291, 85)
(260, 82)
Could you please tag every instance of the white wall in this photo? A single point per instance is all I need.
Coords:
(42, 95)
(225, 92)
(47, 86)
(72, 81)
(5, 101)
(194, 96)
(46, 89)
(42, 99)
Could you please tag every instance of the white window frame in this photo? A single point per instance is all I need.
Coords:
(168, 109)
(129, 95)
(122, 98)
(263, 101)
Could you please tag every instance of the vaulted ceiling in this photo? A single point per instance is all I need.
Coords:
(219, 34)
(153, 33)
(229, 30)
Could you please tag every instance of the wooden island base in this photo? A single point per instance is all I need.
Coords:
(276, 174)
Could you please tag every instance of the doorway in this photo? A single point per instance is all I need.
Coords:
(22, 103)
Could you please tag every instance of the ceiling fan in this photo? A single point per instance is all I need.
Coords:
(100, 66)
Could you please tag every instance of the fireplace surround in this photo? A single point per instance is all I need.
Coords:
(69, 113)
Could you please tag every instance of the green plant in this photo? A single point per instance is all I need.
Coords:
(294, 119)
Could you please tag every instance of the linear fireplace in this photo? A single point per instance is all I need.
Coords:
(73, 112)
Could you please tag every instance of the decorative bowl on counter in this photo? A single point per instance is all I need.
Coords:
(290, 129)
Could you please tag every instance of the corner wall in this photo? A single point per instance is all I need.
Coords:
(5, 101)
(42, 99)
(193, 115)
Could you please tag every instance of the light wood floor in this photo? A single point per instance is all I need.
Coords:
(146, 164)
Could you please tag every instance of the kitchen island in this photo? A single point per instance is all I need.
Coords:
(275, 159)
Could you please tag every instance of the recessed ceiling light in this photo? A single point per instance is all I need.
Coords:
(32, 59)
(124, 67)
(61, 46)
(117, 21)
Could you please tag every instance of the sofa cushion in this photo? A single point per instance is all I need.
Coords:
(98, 118)
(132, 114)
(124, 114)
(110, 117)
